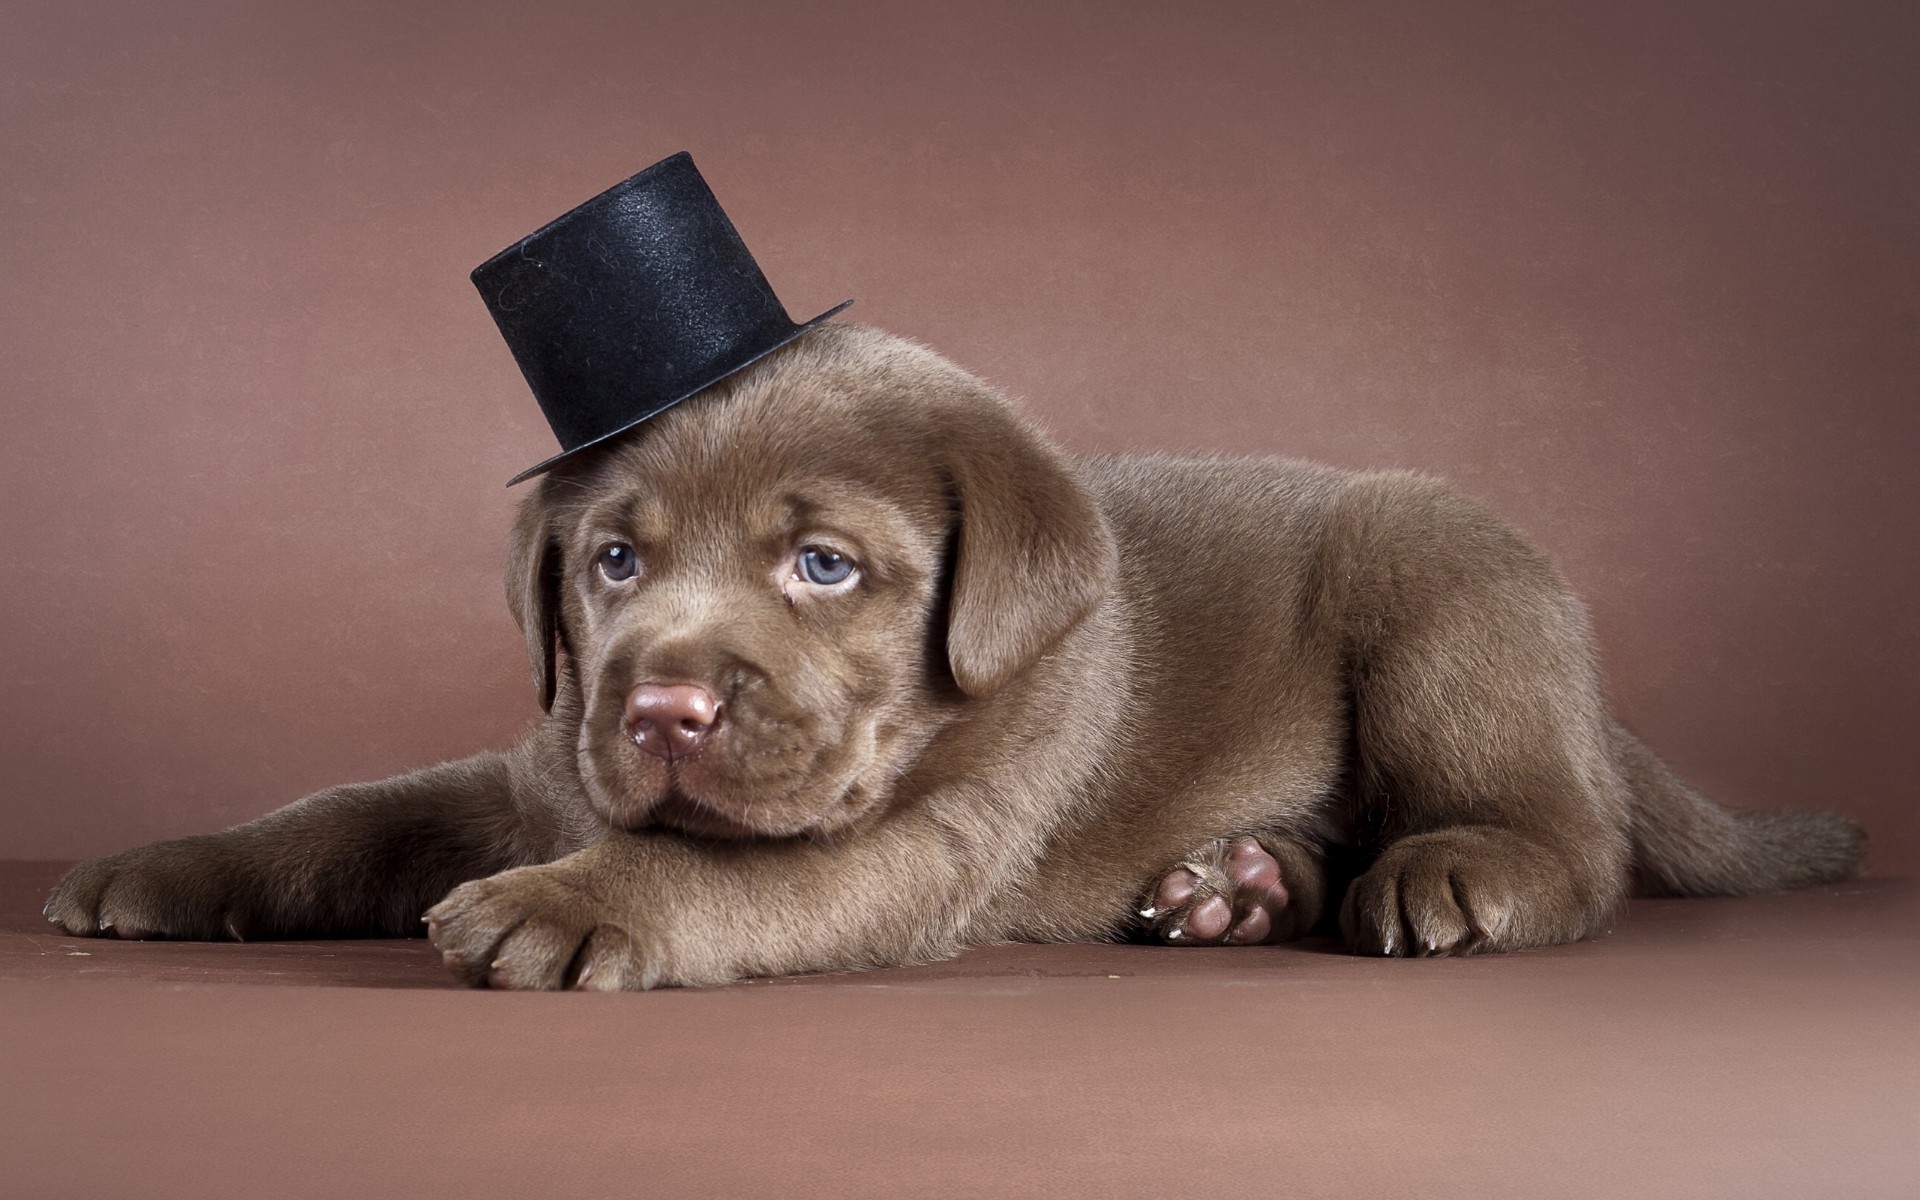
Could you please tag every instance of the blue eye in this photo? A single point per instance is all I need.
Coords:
(824, 567)
(618, 562)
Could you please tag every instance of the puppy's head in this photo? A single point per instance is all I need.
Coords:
(769, 600)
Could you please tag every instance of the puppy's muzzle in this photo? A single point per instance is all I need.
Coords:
(671, 721)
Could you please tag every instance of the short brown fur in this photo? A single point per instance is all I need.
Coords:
(1054, 680)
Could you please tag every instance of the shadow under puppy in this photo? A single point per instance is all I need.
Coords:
(846, 666)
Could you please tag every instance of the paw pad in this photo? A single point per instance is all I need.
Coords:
(1231, 894)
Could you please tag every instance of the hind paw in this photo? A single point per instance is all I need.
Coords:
(1234, 892)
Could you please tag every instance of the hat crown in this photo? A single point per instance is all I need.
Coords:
(630, 303)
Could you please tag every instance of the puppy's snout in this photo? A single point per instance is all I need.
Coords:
(671, 720)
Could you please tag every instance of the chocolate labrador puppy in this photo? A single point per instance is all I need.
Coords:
(845, 666)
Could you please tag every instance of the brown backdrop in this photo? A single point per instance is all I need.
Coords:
(1640, 276)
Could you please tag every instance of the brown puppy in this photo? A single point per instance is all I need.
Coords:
(846, 666)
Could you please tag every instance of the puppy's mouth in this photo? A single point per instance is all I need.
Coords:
(668, 794)
(684, 812)
(719, 771)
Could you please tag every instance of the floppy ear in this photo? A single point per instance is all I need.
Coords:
(1033, 554)
(533, 588)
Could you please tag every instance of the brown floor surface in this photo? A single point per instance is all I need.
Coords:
(1742, 1048)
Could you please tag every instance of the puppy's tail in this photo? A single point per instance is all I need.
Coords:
(1686, 845)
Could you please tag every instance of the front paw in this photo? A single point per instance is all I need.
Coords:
(194, 888)
(539, 928)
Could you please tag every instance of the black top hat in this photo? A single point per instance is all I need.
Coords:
(630, 303)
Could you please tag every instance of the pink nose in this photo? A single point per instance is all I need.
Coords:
(670, 720)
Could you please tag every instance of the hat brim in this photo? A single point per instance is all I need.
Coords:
(541, 468)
